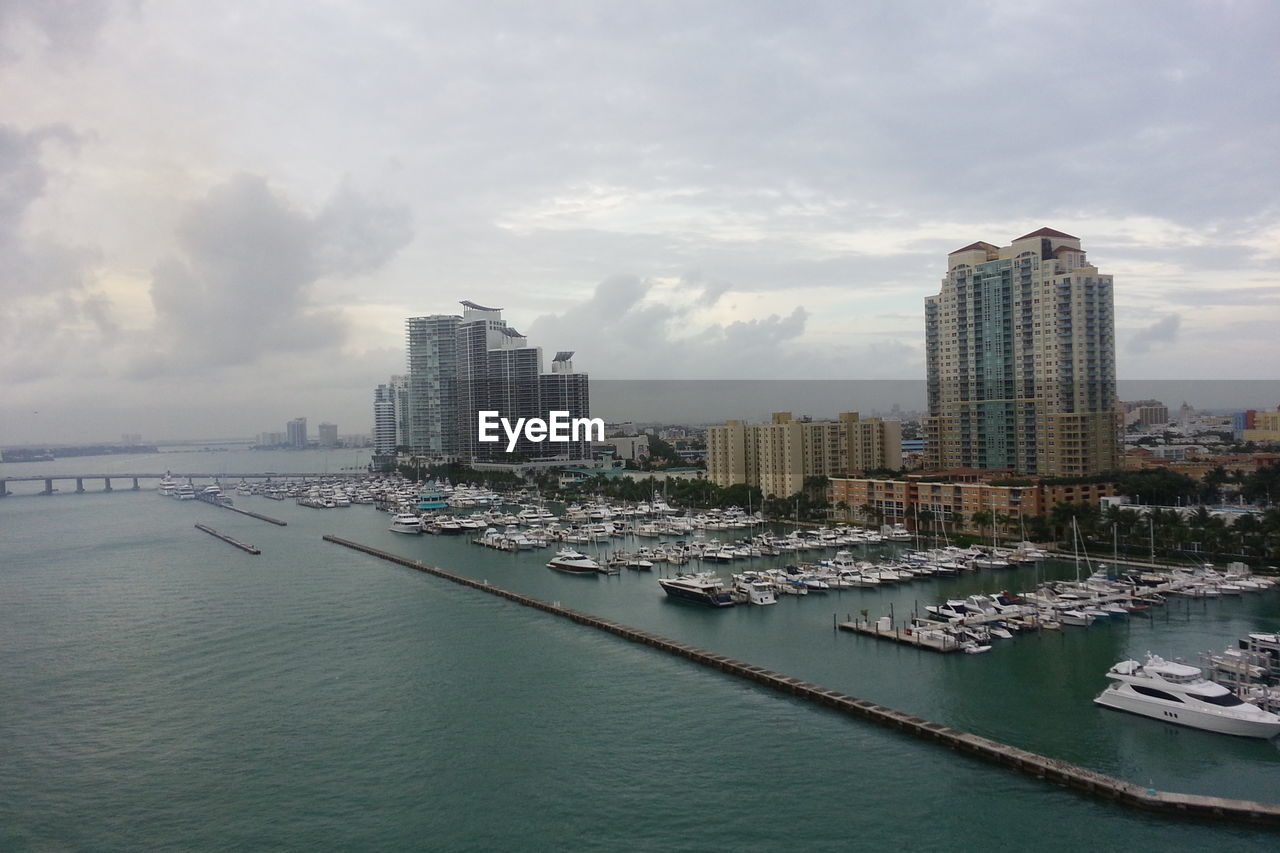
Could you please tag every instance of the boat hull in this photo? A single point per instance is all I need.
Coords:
(1184, 716)
(706, 599)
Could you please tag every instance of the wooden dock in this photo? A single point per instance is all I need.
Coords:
(1097, 785)
(243, 546)
(933, 639)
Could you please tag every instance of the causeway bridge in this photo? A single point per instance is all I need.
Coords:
(50, 479)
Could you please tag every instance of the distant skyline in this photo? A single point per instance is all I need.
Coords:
(214, 218)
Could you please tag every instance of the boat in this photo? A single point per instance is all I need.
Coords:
(754, 590)
(700, 588)
(405, 522)
(573, 562)
(1178, 693)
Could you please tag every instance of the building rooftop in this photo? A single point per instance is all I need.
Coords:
(1047, 232)
(469, 304)
(980, 245)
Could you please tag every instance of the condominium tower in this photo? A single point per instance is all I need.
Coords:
(460, 366)
(432, 344)
(779, 456)
(1021, 360)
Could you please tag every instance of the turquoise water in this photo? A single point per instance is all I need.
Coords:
(162, 689)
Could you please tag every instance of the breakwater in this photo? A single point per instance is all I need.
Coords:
(1097, 785)
(243, 546)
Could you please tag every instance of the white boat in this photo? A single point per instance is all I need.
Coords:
(573, 562)
(1178, 693)
(755, 590)
(405, 522)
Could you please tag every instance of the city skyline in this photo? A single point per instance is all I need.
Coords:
(735, 191)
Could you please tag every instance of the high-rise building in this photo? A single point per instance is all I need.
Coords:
(327, 435)
(296, 430)
(460, 366)
(432, 394)
(779, 456)
(400, 395)
(566, 391)
(1021, 360)
(384, 420)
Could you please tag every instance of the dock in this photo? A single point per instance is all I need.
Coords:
(258, 516)
(1053, 771)
(922, 638)
(243, 546)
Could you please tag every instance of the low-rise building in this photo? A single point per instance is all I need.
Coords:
(955, 500)
(779, 456)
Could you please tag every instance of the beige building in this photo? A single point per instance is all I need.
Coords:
(780, 455)
(1021, 360)
(1266, 427)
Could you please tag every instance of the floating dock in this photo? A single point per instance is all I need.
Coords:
(934, 639)
(243, 546)
(1088, 782)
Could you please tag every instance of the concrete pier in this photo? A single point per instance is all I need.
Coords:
(1041, 767)
(243, 546)
(79, 485)
(107, 481)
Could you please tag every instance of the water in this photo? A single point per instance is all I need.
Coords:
(160, 688)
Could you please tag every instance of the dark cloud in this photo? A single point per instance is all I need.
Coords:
(239, 283)
(1161, 333)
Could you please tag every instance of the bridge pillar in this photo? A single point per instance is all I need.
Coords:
(3, 490)
(107, 480)
(48, 487)
(135, 484)
(79, 485)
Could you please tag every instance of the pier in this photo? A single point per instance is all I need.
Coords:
(243, 546)
(1041, 767)
(922, 638)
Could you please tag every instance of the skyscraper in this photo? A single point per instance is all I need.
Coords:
(566, 391)
(432, 344)
(296, 430)
(384, 420)
(327, 435)
(460, 366)
(1021, 360)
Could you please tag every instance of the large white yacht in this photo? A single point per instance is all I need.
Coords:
(1178, 693)
(405, 522)
(573, 562)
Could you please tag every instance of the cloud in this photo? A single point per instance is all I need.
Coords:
(631, 328)
(1163, 332)
(238, 283)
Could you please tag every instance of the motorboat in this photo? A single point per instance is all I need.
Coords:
(1178, 693)
(755, 590)
(405, 522)
(573, 562)
(700, 588)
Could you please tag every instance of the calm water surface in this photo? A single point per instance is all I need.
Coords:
(160, 689)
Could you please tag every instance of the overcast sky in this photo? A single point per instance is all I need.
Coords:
(216, 216)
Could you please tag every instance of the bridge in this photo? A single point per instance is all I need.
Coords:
(50, 479)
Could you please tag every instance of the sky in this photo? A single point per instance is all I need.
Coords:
(216, 217)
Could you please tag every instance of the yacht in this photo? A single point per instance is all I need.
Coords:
(701, 588)
(405, 522)
(754, 590)
(573, 562)
(1178, 693)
